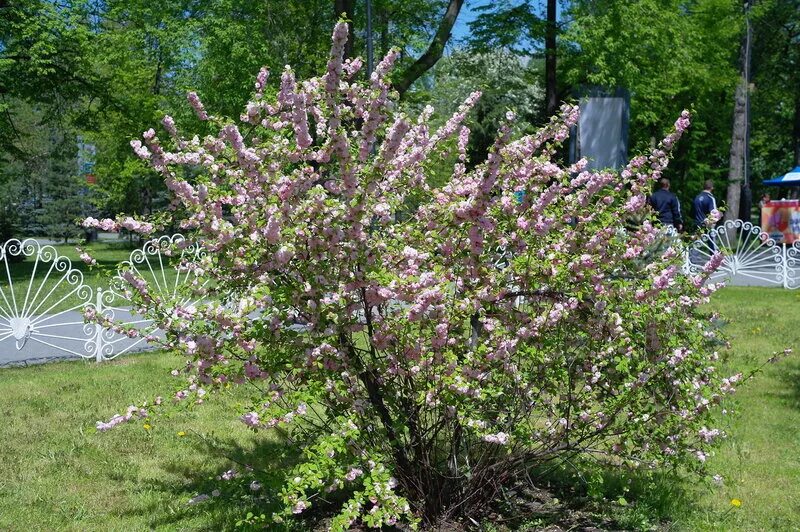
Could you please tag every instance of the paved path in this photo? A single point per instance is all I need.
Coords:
(101, 237)
(67, 332)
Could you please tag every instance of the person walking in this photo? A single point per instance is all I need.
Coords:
(666, 205)
(703, 204)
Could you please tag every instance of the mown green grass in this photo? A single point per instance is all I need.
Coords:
(58, 473)
(760, 461)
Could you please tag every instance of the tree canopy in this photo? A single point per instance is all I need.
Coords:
(106, 70)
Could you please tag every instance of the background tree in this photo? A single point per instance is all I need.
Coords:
(507, 81)
(738, 166)
(67, 201)
(668, 55)
(45, 59)
(523, 28)
(775, 100)
(43, 192)
(434, 51)
(109, 69)
(551, 101)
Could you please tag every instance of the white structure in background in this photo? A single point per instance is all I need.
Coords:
(41, 317)
(792, 263)
(752, 258)
(601, 135)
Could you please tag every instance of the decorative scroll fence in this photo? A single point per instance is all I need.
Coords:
(752, 258)
(166, 276)
(43, 309)
(42, 300)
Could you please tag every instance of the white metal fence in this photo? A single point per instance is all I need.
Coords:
(43, 298)
(751, 256)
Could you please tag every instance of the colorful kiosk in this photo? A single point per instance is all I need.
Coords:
(781, 218)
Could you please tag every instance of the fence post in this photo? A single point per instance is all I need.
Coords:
(687, 260)
(785, 261)
(98, 329)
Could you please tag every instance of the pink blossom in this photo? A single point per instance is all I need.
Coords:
(251, 419)
(197, 105)
(118, 419)
(353, 474)
(169, 125)
(500, 438)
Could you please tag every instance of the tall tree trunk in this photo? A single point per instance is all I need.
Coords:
(383, 23)
(736, 168)
(434, 51)
(551, 101)
(738, 154)
(157, 78)
(346, 9)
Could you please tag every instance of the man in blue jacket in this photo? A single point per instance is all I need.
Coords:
(703, 204)
(666, 205)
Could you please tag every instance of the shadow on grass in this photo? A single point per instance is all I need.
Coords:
(789, 376)
(583, 497)
(589, 497)
(230, 501)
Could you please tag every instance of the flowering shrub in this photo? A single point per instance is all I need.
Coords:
(421, 357)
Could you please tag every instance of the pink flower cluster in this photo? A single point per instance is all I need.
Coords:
(85, 257)
(105, 225)
(131, 413)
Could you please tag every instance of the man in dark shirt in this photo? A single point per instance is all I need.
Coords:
(666, 205)
(703, 204)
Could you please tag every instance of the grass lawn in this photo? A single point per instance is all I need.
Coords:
(760, 462)
(58, 473)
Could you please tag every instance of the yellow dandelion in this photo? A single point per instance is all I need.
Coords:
(147, 426)
(736, 503)
(181, 433)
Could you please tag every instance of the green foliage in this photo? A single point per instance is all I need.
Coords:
(507, 25)
(42, 194)
(775, 98)
(669, 56)
(238, 37)
(111, 69)
(65, 206)
(108, 70)
(44, 59)
(507, 81)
